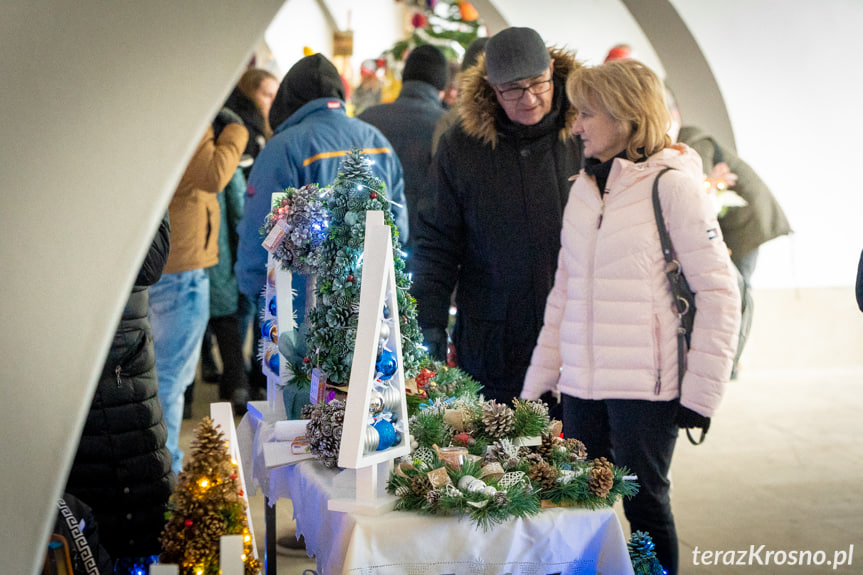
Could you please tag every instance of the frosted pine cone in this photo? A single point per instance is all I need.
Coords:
(577, 449)
(498, 419)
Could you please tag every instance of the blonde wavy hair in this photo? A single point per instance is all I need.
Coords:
(632, 95)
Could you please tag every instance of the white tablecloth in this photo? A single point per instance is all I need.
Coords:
(566, 541)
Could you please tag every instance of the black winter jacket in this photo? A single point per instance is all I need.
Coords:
(493, 226)
(122, 468)
(409, 123)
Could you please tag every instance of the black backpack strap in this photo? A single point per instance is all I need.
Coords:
(671, 266)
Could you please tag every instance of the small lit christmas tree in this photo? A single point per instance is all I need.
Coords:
(443, 23)
(333, 322)
(206, 504)
(643, 555)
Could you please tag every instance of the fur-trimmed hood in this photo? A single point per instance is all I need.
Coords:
(478, 105)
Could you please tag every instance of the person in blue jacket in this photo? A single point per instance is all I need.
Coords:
(312, 134)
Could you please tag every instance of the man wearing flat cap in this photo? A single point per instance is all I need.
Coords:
(500, 183)
(409, 122)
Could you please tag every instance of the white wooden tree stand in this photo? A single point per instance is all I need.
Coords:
(278, 286)
(378, 289)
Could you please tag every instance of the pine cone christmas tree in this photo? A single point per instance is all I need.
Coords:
(543, 474)
(600, 477)
(498, 419)
(206, 504)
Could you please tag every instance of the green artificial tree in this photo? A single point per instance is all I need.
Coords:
(333, 321)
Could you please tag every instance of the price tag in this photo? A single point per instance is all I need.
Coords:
(318, 392)
(275, 236)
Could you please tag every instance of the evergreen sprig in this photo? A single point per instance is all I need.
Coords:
(531, 418)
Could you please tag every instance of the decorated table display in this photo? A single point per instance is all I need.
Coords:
(375, 398)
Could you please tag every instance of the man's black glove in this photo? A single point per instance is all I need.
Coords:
(435, 341)
(687, 419)
(223, 118)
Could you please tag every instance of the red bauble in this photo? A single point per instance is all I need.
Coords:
(350, 278)
(305, 360)
(424, 377)
(419, 20)
(373, 195)
(189, 522)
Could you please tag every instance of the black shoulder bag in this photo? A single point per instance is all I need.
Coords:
(684, 298)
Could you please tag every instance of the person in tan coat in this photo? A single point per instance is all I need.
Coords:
(180, 300)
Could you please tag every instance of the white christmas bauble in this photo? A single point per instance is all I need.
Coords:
(489, 490)
(465, 481)
(476, 486)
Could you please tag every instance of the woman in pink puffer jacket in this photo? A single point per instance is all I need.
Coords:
(609, 342)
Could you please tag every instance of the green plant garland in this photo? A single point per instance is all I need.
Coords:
(556, 471)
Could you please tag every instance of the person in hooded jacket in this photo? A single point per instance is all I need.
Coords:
(492, 222)
(609, 344)
(122, 468)
(312, 135)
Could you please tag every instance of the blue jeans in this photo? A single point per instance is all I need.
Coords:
(179, 310)
(639, 435)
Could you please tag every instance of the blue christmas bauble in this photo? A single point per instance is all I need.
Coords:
(273, 362)
(387, 365)
(386, 434)
(271, 305)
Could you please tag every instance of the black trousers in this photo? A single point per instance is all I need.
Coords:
(639, 435)
(227, 331)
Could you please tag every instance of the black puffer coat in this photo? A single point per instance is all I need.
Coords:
(493, 225)
(122, 468)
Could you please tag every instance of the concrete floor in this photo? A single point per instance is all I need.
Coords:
(782, 466)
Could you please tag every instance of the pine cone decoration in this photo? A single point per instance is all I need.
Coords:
(533, 458)
(600, 478)
(402, 490)
(547, 446)
(500, 498)
(577, 449)
(498, 419)
(601, 462)
(306, 412)
(543, 474)
(433, 496)
(324, 443)
(420, 485)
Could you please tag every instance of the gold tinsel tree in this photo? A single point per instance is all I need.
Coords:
(206, 504)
